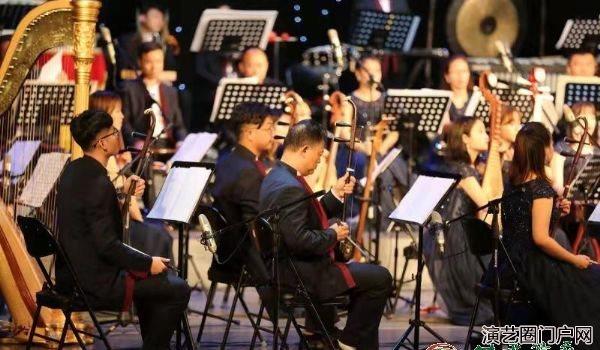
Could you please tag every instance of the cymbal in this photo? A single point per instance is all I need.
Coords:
(474, 25)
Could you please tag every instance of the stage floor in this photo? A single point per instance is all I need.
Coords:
(390, 330)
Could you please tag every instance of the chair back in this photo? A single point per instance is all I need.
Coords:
(479, 236)
(264, 237)
(38, 239)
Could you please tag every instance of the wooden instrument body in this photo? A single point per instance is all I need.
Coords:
(52, 24)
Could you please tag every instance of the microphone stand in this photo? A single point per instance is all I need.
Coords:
(493, 208)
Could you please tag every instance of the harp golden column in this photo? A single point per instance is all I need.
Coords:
(85, 16)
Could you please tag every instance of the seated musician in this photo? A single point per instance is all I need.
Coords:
(255, 63)
(90, 231)
(149, 92)
(310, 239)
(238, 177)
(457, 79)
(582, 63)
(153, 26)
(150, 238)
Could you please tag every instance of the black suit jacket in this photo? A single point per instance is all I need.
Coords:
(91, 233)
(235, 192)
(127, 52)
(304, 240)
(136, 99)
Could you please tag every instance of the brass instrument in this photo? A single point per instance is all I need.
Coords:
(52, 24)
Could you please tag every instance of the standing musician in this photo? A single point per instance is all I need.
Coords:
(91, 232)
(309, 238)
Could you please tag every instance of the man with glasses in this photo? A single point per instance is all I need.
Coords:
(91, 232)
(238, 176)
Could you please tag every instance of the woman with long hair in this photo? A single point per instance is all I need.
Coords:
(149, 238)
(562, 286)
(457, 271)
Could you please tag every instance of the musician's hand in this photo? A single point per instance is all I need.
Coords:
(139, 144)
(582, 261)
(341, 230)
(341, 188)
(159, 265)
(565, 206)
(140, 185)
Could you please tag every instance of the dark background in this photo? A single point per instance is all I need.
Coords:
(119, 16)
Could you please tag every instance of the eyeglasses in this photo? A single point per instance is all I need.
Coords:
(113, 133)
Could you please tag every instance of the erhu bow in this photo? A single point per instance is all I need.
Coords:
(142, 158)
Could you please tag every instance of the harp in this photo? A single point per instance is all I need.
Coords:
(28, 117)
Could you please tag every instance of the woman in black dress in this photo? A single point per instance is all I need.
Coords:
(457, 78)
(456, 272)
(563, 286)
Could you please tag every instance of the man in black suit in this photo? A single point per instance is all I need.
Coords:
(91, 232)
(255, 63)
(149, 92)
(238, 177)
(309, 238)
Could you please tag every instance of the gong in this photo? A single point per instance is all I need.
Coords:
(472, 26)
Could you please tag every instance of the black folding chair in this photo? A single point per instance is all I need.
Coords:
(238, 279)
(292, 298)
(41, 243)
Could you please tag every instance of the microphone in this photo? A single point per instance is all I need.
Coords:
(207, 236)
(110, 48)
(518, 82)
(437, 224)
(138, 135)
(337, 48)
(506, 61)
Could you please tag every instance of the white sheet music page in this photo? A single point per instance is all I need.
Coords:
(422, 198)
(46, 173)
(595, 217)
(194, 147)
(180, 194)
(383, 165)
(20, 154)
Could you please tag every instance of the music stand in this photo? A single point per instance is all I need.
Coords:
(423, 109)
(580, 33)
(232, 31)
(176, 204)
(415, 208)
(570, 90)
(194, 147)
(384, 31)
(233, 91)
(585, 189)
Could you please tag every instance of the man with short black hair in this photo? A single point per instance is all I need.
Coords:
(582, 64)
(91, 233)
(309, 238)
(149, 92)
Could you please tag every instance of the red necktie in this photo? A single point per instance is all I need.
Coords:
(261, 167)
(316, 204)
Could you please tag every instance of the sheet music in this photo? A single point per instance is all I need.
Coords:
(180, 194)
(44, 177)
(422, 198)
(194, 147)
(595, 217)
(473, 102)
(383, 165)
(20, 154)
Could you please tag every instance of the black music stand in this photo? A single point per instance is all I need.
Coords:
(232, 31)
(233, 91)
(176, 204)
(522, 101)
(585, 188)
(580, 33)
(384, 31)
(416, 207)
(570, 90)
(420, 109)
(57, 97)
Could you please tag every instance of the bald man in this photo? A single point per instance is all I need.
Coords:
(255, 63)
(582, 64)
